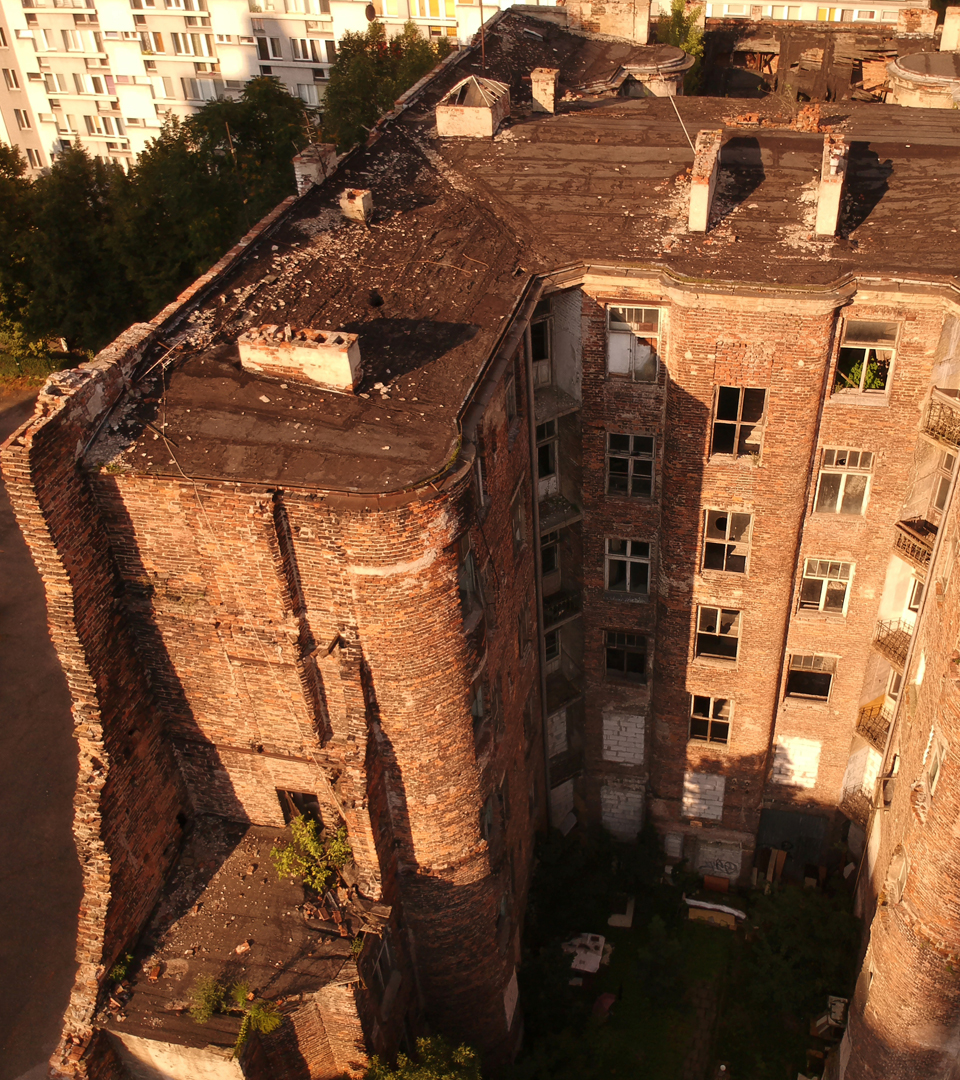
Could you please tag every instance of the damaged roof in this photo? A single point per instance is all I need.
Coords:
(462, 227)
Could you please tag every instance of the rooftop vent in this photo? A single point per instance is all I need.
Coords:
(357, 204)
(327, 358)
(543, 82)
(474, 108)
(703, 179)
(833, 176)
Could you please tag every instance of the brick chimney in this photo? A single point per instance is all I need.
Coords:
(327, 358)
(314, 164)
(833, 177)
(357, 204)
(950, 41)
(543, 81)
(703, 179)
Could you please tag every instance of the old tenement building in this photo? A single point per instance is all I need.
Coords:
(566, 475)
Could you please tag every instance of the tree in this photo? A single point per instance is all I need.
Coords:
(307, 857)
(681, 28)
(436, 1060)
(370, 74)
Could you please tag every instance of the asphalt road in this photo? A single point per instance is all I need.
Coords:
(39, 871)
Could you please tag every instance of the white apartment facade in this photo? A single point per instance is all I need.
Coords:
(105, 73)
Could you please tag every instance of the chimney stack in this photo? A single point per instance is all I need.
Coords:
(314, 164)
(833, 177)
(703, 178)
(357, 204)
(544, 84)
(950, 41)
(327, 358)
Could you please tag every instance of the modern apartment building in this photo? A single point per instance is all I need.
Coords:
(107, 74)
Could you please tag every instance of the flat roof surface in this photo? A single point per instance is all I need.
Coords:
(461, 226)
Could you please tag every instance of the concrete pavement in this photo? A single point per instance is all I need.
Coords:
(39, 871)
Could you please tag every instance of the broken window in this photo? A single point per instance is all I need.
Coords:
(467, 575)
(626, 656)
(718, 632)
(738, 423)
(866, 354)
(627, 567)
(547, 458)
(541, 331)
(942, 482)
(630, 465)
(844, 481)
(726, 544)
(299, 804)
(710, 719)
(810, 676)
(633, 342)
(825, 586)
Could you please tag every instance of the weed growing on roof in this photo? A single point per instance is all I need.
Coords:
(308, 857)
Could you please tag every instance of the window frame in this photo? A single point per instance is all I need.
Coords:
(742, 429)
(711, 717)
(933, 761)
(827, 578)
(542, 366)
(633, 456)
(829, 467)
(468, 577)
(629, 560)
(645, 368)
(548, 438)
(828, 666)
(869, 345)
(633, 644)
(731, 549)
(550, 541)
(736, 624)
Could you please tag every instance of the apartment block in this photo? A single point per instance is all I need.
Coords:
(580, 474)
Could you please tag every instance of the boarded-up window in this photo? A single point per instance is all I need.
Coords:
(703, 795)
(796, 761)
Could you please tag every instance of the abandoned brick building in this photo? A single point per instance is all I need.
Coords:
(573, 475)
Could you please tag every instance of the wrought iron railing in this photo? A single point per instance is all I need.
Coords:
(560, 606)
(913, 542)
(873, 723)
(942, 422)
(892, 640)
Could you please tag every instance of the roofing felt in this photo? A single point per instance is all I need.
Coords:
(460, 227)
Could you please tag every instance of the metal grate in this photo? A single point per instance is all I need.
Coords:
(892, 640)
(873, 723)
(943, 423)
(560, 606)
(913, 542)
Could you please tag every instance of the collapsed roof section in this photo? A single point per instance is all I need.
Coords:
(474, 108)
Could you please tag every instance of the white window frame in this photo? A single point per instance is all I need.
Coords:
(308, 50)
(627, 557)
(720, 624)
(717, 711)
(633, 341)
(33, 157)
(72, 40)
(640, 461)
(915, 598)
(814, 664)
(151, 42)
(269, 48)
(829, 572)
(722, 539)
(542, 319)
(23, 119)
(846, 463)
(942, 482)
(872, 344)
(10, 78)
(548, 483)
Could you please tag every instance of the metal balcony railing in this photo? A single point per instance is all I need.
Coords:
(892, 640)
(873, 723)
(942, 421)
(560, 606)
(913, 542)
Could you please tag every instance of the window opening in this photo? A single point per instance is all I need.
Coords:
(727, 541)
(633, 342)
(626, 656)
(467, 574)
(825, 585)
(810, 676)
(718, 632)
(738, 425)
(551, 649)
(550, 552)
(866, 354)
(916, 595)
(548, 483)
(710, 719)
(628, 566)
(844, 481)
(299, 804)
(630, 465)
(541, 332)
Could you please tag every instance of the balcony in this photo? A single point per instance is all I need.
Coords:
(892, 640)
(942, 421)
(560, 607)
(913, 542)
(873, 723)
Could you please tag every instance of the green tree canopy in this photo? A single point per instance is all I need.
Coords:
(436, 1060)
(371, 72)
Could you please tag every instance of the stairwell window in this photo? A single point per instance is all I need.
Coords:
(726, 544)
(866, 357)
(844, 481)
(739, 417)
(630, 465)
(825, 586)
(718, 632)
(633, 342)
(810, 676)
(710, 719)
(626, 656)
(627, 568)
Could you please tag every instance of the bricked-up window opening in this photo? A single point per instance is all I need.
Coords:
(627, 567)
(825, 586)
(739, 419)
(551, 648)
(844, 482)
(718, 632)
(942, 482)
(866, 355)
(626, 656)
(633, 342)
(727, 541)
(896, 876)
(710, 719)
(916, 596)
(548, 482)
(810, 676)
(541, 332)
(550, 552)
(630, 465)
(299, 804)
